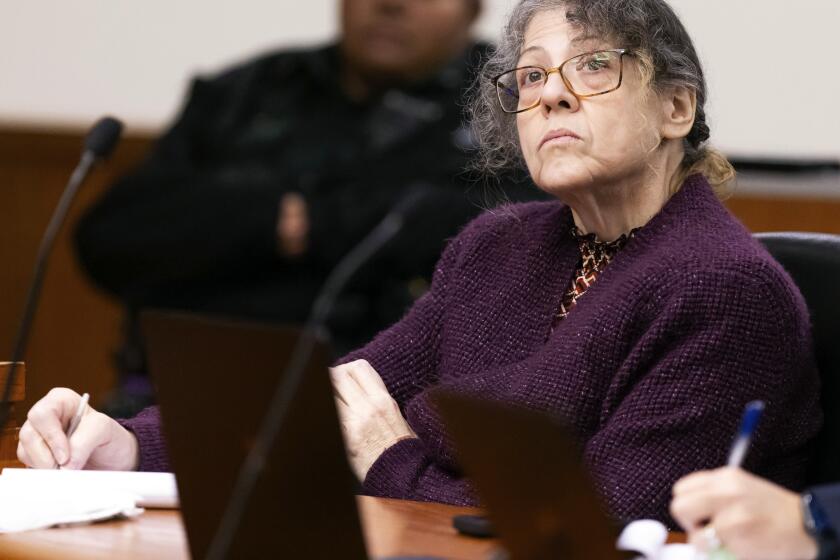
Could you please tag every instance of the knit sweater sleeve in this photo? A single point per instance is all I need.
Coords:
(408, 470)
(406, 355)
(146, 427)
(674, 405)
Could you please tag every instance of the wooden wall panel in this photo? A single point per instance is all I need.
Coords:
(787, 213)
(77, 327)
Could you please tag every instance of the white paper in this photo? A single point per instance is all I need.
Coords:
(649, 537)
(25, 507)
(152, 490)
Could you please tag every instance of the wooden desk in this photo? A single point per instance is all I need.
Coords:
(392, 527)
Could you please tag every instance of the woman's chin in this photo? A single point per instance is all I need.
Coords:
(557, 180)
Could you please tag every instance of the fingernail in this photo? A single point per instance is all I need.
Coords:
(60, 456)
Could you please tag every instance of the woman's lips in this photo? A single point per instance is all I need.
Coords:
(560, 136)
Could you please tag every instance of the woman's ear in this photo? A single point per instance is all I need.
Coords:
(679, 105)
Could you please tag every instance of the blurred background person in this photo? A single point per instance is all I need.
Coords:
(755, 519)
(278, 166)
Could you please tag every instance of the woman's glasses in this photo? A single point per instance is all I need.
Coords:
(585, 75)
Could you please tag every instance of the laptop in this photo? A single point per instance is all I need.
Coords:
(214, 380)
(526, 469)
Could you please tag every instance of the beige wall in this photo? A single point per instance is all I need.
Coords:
(772, 65)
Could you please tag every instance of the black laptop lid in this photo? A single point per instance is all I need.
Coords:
(214, 380)
(527, 471)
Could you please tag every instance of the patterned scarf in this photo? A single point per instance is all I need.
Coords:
(595, 255)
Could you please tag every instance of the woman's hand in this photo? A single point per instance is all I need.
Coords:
(99, 442)
(752, 518)
(370, 418)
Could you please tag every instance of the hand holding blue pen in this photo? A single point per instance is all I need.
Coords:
(749, 424)
(729, 513)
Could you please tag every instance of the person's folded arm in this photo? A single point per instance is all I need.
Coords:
(408, 471)
(406, 355)
(180, 215)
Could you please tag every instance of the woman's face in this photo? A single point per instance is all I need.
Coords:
(605, 139)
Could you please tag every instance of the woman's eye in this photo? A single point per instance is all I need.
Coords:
(530, 78)
(534, 77)
(594, 64)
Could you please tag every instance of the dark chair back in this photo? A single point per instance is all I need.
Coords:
(813, 260)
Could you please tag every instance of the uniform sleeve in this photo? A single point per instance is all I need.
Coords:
(828, 496)
(181, 214)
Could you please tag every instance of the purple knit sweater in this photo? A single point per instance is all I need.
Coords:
(651, 369)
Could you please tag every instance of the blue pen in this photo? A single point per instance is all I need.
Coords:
(749, 422)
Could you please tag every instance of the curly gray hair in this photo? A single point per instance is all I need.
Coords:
(649, 28)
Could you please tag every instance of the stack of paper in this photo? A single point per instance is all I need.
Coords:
(35, 498)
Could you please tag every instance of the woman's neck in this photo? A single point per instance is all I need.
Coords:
(616, 208)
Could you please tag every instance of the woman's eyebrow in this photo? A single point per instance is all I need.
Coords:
(584, 40)
(532, 48)
(581, 44)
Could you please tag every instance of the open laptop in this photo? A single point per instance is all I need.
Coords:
(527, 471)
(214, 381)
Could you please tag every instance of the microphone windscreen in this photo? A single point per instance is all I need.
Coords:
(103, 137)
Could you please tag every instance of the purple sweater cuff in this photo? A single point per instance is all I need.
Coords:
(396, 471)
(406, 471)
(146, 427)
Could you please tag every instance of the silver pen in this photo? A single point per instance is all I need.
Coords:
(77, 418)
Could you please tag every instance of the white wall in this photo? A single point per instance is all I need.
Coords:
(65, 62)
(773, 65)
(774, 73)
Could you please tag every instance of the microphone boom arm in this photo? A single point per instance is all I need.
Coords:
(99, 143)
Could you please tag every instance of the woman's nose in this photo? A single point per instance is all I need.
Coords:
(557, 95)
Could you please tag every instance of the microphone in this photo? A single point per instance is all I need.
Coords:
(99, 143)
(286, 389)
(103, 137)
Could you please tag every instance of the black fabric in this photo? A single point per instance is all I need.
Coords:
(813, 260)
(194, 227)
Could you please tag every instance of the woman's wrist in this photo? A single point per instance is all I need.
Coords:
(126, 451)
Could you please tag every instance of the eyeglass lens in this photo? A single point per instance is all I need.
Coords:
(586, 74)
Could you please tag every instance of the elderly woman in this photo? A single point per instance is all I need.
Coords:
(634, 306)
